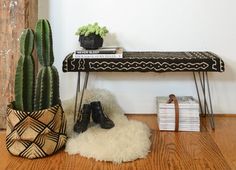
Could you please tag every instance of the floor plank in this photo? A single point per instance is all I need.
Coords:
(170, 150)
(150, 120)
(225, 137)
(4, 156)
(184, 150)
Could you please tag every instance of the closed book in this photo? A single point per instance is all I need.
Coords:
(107, 51)
(187, 112)
(184, 102)
(118, 54)
(99, 51)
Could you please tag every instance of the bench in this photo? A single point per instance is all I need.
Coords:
(199, 63)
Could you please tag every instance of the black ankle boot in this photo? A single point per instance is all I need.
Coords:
(100, 117)
(83, 120)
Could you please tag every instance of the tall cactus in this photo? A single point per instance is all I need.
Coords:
(24, 79)
(47, 85)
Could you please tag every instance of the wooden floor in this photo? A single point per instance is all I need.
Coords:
(182, 150)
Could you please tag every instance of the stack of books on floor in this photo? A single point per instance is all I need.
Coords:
(189, 119)
(105, 52)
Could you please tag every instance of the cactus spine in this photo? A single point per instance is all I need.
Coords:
(24, 79)
(47, 85)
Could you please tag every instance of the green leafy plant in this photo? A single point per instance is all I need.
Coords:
(45, 93)
(92, 29)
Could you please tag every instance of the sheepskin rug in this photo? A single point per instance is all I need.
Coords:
(127, 141)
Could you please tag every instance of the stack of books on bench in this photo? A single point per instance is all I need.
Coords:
(106, 52)
(189, 119)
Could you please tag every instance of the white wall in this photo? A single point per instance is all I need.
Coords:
(163, 25)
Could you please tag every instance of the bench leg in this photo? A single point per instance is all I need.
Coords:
(204, 83)
(76, 95)
(198, 94)
(82, 93)
(210, 103)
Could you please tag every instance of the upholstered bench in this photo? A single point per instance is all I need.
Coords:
(147, 62)
(197, 62)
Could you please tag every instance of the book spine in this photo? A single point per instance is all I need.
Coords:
(98, 56)
(181, 106)
(88, 52)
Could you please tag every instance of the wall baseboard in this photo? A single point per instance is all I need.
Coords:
(215, 114)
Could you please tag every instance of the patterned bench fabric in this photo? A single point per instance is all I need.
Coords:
(147, 62)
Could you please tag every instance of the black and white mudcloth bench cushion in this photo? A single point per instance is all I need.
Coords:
(147, 62)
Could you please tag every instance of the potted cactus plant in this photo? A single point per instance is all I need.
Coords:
(91, 36)
(36, 123)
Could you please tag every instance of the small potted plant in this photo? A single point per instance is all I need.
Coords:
(91, 36)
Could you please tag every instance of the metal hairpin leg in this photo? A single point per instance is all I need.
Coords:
(204, 81)
(209, 94)
(198, 95)
(82, 93)
(76, 96)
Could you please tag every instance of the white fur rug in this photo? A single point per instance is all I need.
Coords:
(127, 141)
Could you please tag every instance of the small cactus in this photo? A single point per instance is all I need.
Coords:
(47, 85)
(24, 78)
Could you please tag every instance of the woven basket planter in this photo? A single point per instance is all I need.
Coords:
(35, 134)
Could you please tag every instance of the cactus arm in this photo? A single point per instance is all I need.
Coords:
(47, 88)
(55, 95)
(39, 34)
(47, 93)
(27, 42)
(28, 84)
(44, 43)
(49, 43)
(19, 85)
(24, 78)
(38, 89)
